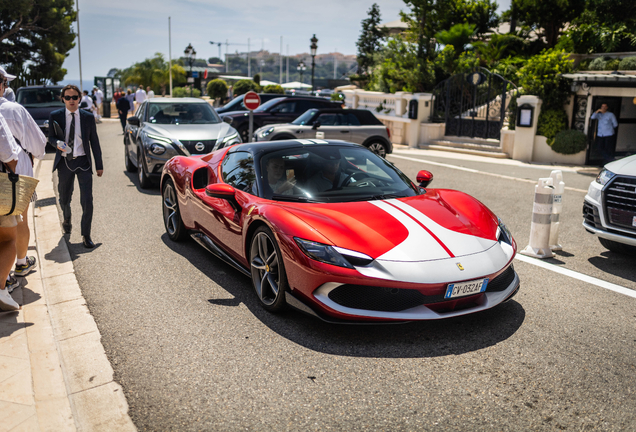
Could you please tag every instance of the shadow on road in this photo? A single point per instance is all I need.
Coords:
(134, 180)
(615, 264)
(413, 340)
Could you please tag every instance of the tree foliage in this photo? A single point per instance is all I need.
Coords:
(547, 17)
(217, 88)
(541, 76)
(398, 68)
(370, 40)
(243, 86)
(153, 72)
(36, 37)
(273, 88)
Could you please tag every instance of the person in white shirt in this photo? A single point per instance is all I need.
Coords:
(150, 93)
(33, 143)
(9, 94)
(87, 101)
(99, 98)
(140, 96)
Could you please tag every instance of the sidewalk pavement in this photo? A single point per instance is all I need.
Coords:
(54, 373)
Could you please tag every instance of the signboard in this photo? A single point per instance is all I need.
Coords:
(205, 74)
(190, 79)
(251, 100)
(195, 74)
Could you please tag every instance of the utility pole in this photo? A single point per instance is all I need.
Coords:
(335, 63)
(79, 46)
(170, 54)
(287, 78)
(280, 79)
(249, 61)
(226, 44)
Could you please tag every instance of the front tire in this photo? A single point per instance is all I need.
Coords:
(175, 228)
(244, 132)
(378, 148)
(617, 247)
(144, 180)
(268, 271)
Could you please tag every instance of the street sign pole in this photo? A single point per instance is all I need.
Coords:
(251, 100)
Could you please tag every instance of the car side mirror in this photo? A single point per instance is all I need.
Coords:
(220, 190)
(227, 120)
(134, 121)
(424, 178)
(316, 125)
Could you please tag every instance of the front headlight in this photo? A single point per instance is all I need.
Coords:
(235, 138)
(503, 233)
(159, 138)
(332, 254)
(267, 132)
(604, 176)
(157, 149)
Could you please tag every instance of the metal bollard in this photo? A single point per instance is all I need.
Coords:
(557, 207)
(539, 246)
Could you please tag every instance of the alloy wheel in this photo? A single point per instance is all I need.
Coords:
(170, 210)
(265, 267)
(378, 149)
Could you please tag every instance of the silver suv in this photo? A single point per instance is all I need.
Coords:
(353, 125)
(609, 209)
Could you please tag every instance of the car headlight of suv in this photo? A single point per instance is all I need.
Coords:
(267, 132)
(235, 138)
(332, 254)
(159, 147)
(604, 176)
(503, 233)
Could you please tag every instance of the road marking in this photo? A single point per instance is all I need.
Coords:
(470, 170)
(576, 275)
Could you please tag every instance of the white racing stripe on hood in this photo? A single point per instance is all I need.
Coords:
(419, 245)
(458, 243)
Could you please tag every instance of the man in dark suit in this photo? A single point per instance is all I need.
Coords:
(80, 138)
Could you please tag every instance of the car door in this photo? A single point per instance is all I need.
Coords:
(359, 132)
(134, 133)
(282, 112)
(330, 127)
(226, 223)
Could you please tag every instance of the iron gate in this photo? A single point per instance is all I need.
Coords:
(473, 104)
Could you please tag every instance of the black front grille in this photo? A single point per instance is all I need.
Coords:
(385, 299)
(620, 202)
(191, 146)
(591, 216)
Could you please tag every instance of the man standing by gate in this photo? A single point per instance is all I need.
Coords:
(605, 132)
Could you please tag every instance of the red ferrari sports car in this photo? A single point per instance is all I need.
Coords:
(335, 231)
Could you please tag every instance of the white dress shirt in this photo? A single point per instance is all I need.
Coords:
(78, 145)
(9, 149)
(26, 130)
(89, 101)
(140, 96)
(99, 97)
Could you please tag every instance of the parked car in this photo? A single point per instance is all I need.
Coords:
(369, 245)
(609, 208)
(353, 125)
(40, 101)
(163, 128)
(280, 110)
(237, 104)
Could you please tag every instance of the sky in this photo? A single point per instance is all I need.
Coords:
(118, 33)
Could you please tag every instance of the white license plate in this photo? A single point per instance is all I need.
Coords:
(466, 288)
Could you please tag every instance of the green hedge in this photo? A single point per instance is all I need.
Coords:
(217, 88)
(243, 86)
(628, 63)
(551, 122)
(598, 64)
(179, 92)
(273, 88)
(569, 142)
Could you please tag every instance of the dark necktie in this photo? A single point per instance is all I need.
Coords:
(71, 137)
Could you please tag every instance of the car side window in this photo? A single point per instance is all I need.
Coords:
(238, 171)
(349, 119)
(285, 107)
(328, 119)
(140, 112)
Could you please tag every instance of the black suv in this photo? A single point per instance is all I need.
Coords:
(280, 110)
(40, 101)
(236, 104)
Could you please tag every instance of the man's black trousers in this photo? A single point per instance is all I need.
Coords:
(67, 170)
(122, 119)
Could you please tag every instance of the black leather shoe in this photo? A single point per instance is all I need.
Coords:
(66, 226)
(88, 243)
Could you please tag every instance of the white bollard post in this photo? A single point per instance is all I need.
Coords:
(539, 246)
(557, 207)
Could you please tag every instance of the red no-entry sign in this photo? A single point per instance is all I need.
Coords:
(251, 100)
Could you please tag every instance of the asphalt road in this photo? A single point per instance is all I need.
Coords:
(193, 349)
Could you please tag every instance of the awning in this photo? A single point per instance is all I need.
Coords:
(295, 85)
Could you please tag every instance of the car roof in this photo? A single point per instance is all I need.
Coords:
(177, 100)
(41, 86)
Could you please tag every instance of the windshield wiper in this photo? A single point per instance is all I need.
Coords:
(293, 198)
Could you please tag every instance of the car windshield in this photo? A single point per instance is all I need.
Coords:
(181, 113)
(40, 97)
(305, 118)
(330, 173)
(268, 104)
(235, 104)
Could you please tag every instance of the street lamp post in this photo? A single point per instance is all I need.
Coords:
(314, 48)
(190, 54)
(301, 68)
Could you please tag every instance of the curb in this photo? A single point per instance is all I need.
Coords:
(96, 401)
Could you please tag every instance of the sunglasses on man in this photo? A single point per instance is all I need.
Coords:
(68, 98)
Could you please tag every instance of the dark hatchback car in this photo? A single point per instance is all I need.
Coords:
(40, 101)
(276, 111)
(237, 104)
